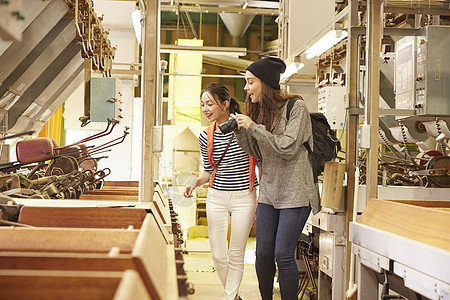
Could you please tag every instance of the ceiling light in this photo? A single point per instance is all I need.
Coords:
(326, 42)
(229, 51)
(291, 69)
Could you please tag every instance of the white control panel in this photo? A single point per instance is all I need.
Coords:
(332, 105)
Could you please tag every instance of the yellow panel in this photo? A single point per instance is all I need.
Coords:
(184, 91)
(54, 126)
(188, 113)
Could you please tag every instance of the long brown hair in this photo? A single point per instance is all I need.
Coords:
(265, 111)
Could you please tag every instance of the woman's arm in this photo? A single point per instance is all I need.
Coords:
(245, 140)
(202, 179)
(247, 143)
(286, 144)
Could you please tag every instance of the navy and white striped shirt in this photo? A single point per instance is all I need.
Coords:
(232, 173)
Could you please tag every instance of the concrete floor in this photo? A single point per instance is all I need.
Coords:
(200, 272)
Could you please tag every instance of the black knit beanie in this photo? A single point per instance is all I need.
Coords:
(268, 70)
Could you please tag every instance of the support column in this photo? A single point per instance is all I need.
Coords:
(352, 128)
(367, 283)
(374, 47)
(149, 81)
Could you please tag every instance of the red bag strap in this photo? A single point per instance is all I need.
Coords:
(210, 147)
(251, 172)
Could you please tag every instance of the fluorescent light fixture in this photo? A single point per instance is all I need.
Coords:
(229, 51)
(136, 20)
(326, 42)
(291, 69)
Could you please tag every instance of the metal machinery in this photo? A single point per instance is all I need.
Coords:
(47, 50)
(413, 163)
(62, 43)
(421, 82)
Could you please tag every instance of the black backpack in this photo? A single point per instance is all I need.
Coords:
(326, 146)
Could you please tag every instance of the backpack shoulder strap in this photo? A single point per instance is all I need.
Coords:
(290, 105)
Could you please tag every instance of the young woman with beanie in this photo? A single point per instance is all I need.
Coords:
(287, 189)
(232, 184)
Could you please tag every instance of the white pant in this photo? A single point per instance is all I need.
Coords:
(219, 206)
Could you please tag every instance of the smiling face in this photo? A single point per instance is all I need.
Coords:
(253, 87)
(214, 110)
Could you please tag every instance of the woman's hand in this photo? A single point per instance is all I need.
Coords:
(243, 121)
(202, 179)
(188, 191)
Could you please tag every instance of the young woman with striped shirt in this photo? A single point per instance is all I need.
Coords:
(231, 175)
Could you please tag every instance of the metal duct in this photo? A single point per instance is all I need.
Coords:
(237, 25)
(31, 37)
(44, 80)
(54, 95)
(38, 73)
(31, 10)
(33, 66)
(59, 100)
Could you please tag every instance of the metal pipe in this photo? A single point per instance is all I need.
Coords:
(191, 24)
(159, 106)
(262, 33)
(212, 9)
(205, 75)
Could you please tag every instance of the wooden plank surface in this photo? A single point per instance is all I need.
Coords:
(124, 192)
(425, 203)
(82, 217)
(109, 197)
(151, 248)
(77, 262)
(66, 240)
(121, 183)
(423, 224)
(131, 288)
(26, 285)
(64, 261)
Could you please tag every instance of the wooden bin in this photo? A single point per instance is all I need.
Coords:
(333, 178)
(44, 284)
(94, 250)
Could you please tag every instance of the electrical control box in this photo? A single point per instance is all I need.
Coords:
(433, 71)
(332, 105)
(422, 72)
(404, 73)
(105, 99)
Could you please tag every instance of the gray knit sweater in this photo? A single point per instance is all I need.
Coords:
(287, 180)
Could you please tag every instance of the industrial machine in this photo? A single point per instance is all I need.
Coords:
(414, 168)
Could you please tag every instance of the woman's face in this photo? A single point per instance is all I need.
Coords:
(213, 109)
(253, 87)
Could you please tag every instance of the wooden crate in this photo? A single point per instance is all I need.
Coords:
(424, 221)
(333, 178)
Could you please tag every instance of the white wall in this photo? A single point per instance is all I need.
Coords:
(119, 157)
(306, 18)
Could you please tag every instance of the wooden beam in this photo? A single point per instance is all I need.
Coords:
(374, 43)
(149, 82)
